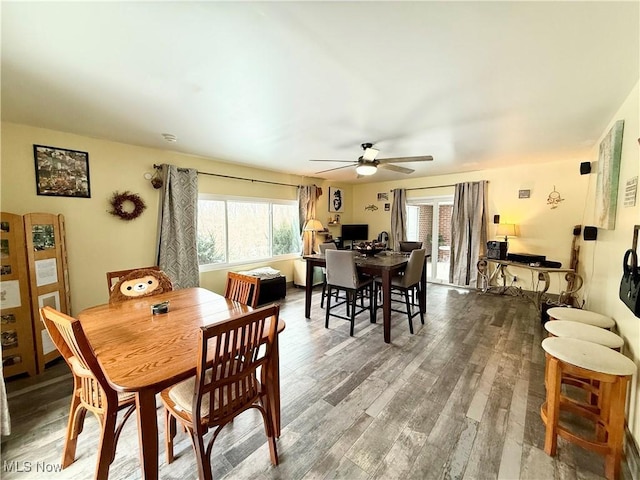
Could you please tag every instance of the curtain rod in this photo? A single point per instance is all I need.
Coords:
(158, 167)
(435, 186)
(438, 186)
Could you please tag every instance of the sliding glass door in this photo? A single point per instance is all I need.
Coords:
(429, 222)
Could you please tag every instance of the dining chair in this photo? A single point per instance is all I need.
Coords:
(91, 391)
(231, 377)
(403, 285)
(323, 248)
(242, 288)
(406, 247)
(343, 276)
(113, 277)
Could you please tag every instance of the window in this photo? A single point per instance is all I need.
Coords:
(233, 230)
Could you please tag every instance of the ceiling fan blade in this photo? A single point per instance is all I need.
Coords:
(423, 158)
(395, 168)
(341, 161)
(332, 169)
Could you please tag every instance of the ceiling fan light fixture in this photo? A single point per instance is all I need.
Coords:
(366, 169)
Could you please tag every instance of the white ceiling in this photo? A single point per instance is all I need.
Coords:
(275, 84)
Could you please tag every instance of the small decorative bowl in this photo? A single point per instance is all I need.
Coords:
(369, 251)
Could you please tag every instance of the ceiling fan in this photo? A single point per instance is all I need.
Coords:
(367, 164)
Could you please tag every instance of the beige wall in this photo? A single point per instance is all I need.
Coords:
(98, 242)
(602, 259)
(542, 230)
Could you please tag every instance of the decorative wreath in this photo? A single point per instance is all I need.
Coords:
(118, 201)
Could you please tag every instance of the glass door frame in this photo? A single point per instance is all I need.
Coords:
(435, 202)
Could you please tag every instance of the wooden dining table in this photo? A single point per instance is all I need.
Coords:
(384, 265)
(144, 353)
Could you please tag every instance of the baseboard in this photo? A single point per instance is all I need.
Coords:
(632, 457)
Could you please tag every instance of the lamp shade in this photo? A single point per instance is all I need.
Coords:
(366, 169)
(313, 225)
(506, 230)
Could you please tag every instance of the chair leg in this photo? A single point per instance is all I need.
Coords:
(324, 292)
(372, 304)
(169, 434)
(419, 294)
(408, 304)
(353, 298)
(202, 460)
(269, 431)
(552, 406)
(326, 318)
(77, 414)
(107, 447)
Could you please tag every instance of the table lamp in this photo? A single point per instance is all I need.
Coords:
(313, 226)
(506, 229)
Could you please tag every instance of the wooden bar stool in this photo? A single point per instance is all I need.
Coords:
(582, 316)
(589, 333)
(582, 331)
(612, 371)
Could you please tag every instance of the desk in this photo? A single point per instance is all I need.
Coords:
(382, 265)
(501, 274)
(144, 353)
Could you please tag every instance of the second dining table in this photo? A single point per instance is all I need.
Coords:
(144, 353)
(384, 265)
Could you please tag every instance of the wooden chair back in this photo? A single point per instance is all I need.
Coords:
(69, 338)
(229, 382)
(113, 277)
(242, 288)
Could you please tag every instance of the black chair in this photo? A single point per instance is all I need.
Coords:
(402, 285)
(343, 276)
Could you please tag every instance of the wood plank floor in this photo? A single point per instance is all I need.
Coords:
(459, 399)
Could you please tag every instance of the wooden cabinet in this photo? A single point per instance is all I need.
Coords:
(34, 274)
(18, 353)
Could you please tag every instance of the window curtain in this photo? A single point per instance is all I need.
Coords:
(399, 217)
(468, 232)
(307, 200)
(177, 249)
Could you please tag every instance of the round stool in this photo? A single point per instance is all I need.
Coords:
(612, 371)
(581, 331)
(582, 316)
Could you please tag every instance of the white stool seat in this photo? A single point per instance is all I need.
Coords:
(582, 316)
(581, 331)
(589, 356)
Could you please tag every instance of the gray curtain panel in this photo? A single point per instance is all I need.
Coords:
(177, 250)
(468, 232)
(399, 217)
(307, 200)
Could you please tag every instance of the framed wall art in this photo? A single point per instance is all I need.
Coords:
(336, 200)
(61, 172)
(608, 177)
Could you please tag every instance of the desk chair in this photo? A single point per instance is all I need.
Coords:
(405, 284)
(226, 386)
(242, 288)
(91, 391)
(343, 276)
